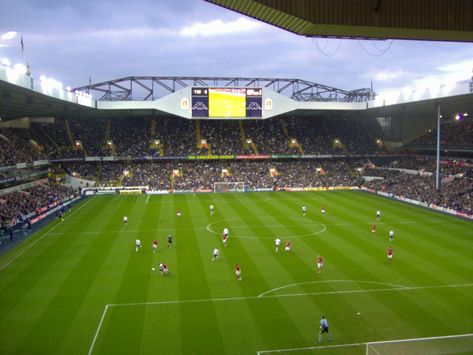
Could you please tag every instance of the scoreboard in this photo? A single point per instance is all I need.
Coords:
(227, 102)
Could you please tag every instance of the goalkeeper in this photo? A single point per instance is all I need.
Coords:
(324, 329)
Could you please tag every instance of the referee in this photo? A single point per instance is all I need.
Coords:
(324, 329)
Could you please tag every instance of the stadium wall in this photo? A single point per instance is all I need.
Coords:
(173, 104)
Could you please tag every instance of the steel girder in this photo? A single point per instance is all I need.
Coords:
(153, 87)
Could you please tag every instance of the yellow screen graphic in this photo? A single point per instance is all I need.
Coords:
(227, 103)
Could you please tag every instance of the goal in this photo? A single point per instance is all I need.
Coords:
(229, 187)
(450, 344)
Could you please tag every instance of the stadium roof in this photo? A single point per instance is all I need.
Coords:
(152, 87)
(435, 20)
(17, 101)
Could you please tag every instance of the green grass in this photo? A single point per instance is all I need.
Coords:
(81, 280)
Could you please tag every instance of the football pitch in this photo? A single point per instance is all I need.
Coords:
(79, 286)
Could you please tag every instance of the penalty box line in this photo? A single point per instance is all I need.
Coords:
(260, 352)
(228, 299)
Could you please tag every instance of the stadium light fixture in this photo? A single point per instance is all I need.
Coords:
(20, 68)
(8, 36)
(5, 61)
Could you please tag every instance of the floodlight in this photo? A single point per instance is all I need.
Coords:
(6, 62)
(8, 36)
(20, 68)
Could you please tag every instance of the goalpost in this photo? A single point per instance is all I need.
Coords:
(229, 187)
(449, 344)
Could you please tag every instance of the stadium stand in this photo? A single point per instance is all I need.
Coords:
(351, 156)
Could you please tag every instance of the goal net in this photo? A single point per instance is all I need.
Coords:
(450, 344)
(229, 187)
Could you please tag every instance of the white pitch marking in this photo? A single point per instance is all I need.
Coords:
(147, 198)
(37, 240)
(359, 344)
(309, 348)
(226, 299)
(129, 231)
(98, 330)
(332, 281)
(324, 228)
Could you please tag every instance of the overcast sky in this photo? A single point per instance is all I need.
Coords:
(72, 40)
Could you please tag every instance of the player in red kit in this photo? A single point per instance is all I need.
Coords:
(225, 236)
(288, 246)
(238, 272)
(390, 253)
(320, 263)
(373, 229)
(155, 245)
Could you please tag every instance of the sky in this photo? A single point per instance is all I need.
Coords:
(71, 41)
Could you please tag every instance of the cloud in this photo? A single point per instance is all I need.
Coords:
(388, 75)
(123, 34)
(464, 66)
(218, 28)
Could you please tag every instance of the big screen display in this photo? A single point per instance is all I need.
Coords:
(226, 102)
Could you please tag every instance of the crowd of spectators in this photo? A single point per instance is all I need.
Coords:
(16, 204)
(190, 175)
(456, 190)
(455, 193)
(16, 147)
(132, 138)
(135, 137)
(428, 164)
(453, 134)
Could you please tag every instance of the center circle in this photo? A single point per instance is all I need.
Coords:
(234, 229)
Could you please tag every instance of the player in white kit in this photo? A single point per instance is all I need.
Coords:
(277, 243)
